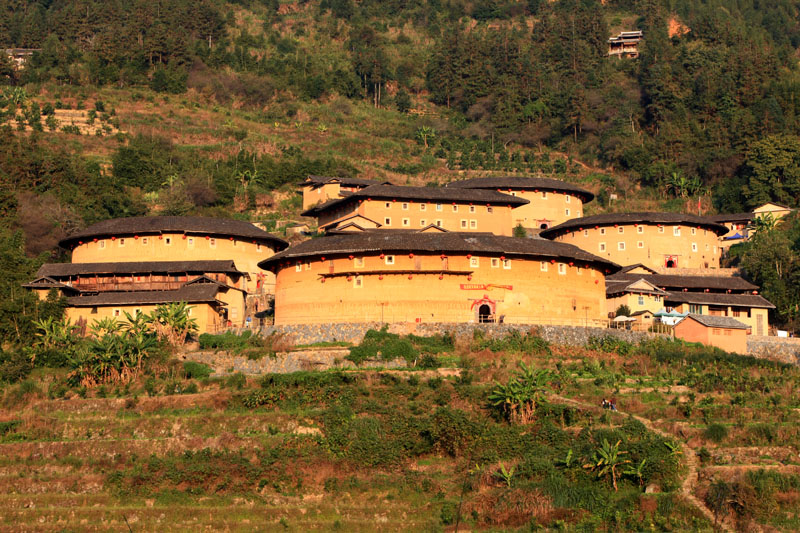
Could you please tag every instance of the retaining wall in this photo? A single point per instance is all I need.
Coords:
(785, 350)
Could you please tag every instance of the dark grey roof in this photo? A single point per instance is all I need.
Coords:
(44, 282)
(712, 298)
(154, 225)
(199, 293)
(524, 183)
(609, 219)
(433, 194)
(349, 182)
(617, 287)
(59, 270)
(670, 281)
(452, 242)
(717, 321)
(732, 217)
(634, 267)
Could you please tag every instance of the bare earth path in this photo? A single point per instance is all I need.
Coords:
(691, 479)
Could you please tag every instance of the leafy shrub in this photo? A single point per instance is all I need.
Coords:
(14, 366)
(194, 370)
(763, 432)
(383, 346)
(514, 342)
(716, 433)
(236, 381)
(610, 344)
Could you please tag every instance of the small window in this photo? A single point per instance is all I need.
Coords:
(168, 241)
(728, 332)
(258, 247)
(438, 207)
(640, 244)
(639, 229)
(423, 207)
(388, 205)
(566, 212)
(621, 246)
(190, 242)
(676, 231)
(586, 233)
(602, 231)
(715, 250)
(694, 231)
(543, 266)
(387, 221)
(455, 209)
(717, 331)
(121, 243)
(474, 262)
(489, 209)
(117, 312)
(102, 245)
(661, 229)
(567, 198)
(495, 262)
(473, 224)
(706, 247)
(507, 263)
(423, 222)
(621, 229)
(694, 246)
(298, 266)
(308, 265)
(472, 209)
(602, 247)
(544, 195)
(579, 271)
(463, 223)
(641, 299)
(212, 243)
(189, 311)
(562, 269)
(405, 206)
(144, 241)
(406, 222)
(358, 282)
(389, 259)
(358, 262)
(657, 298)
(439, 223)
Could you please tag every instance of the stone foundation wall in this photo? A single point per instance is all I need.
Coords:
(785, 350)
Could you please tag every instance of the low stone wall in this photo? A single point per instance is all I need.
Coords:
(225, 363)
(785, 350)
(302, 334)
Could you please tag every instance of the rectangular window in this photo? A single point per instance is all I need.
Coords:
(121, 243)
(706, 247)
(661, 229)
(258, 247)
(562, 269)
(298, 266)
(168, 241)
(715, 250)
(489, 209)
(144, 240)
(657, 298)
(620, 229)
(495, 262)
(190, 242)
(602, 247)
(405, 206)
(358, 262)
(716, 331)
(621, 246)
(586, 233)
(696, 309)
(422, 207)
(358, 282)
(472, 209)
(474, 262)
(423, 223)
(455, 209)
(389, 260)
(602, 231)
(212, 243)
(728, 332)
(439, 223)
(544, 195)
(641, 299)
(102, 245)
(694, 246)
(566, 212)
(387, 221)
(388, 205)
(737, 313)
(406, 222)
(543, 266)
(463, 223)
(676, 231)
(438, 207)
(567, 198)
(507, 264)
(308, 265)
(473, 224)
(640, 244)
(694, 231)
(116, 312)
(639, 229)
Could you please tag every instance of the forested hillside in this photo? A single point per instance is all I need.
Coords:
(220, 108)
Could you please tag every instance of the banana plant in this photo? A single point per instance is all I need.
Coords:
(636, 472)
(506, 475)
(519, 397)
(606, 460)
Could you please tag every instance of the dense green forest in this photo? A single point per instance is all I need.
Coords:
(709, 112)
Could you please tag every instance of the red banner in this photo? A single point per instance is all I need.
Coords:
(482, 287)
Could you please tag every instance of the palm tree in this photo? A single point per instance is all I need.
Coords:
(606, 460)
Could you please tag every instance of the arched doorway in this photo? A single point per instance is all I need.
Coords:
(485, 314)
(670, 263)
(542, 226)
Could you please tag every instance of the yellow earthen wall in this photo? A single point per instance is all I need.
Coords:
(418, 214)
(652, 302)
(648, 244)
(523, 293)
(125, 248)
(556, 207)
(205, 316)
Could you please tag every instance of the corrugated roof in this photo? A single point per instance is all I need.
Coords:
(610, 219)
(199, 293)
(710, 321)
(156, 225)
(58, 270)
(670, 281)
(712, 298)
(440, 194)
(406, 242)
(524, 183)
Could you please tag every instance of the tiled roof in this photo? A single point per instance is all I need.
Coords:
(711, 321)
(198, 293)
(59, 270)
(348, 182)
(670, 281)
(156, 225)
(732, 217)
(711, 298)
(432, 194)
(452, 242)
(609, 219)
(525, 183)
